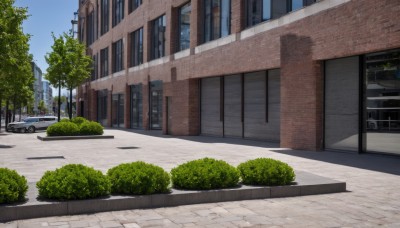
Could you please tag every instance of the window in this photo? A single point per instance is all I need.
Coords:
(118, 56)
(136, 106)
(158, 27)
(102, 107)
(298, 4)
(134, 4)
(95, 63)
(184, 26)
(90, 29)
(137, 47)
(217, 16)
(118, 11)
(104, 62)
(104, 16)
(258, 11)
(117, 110)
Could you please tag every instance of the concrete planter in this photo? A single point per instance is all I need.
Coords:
(53, 138)
(305, 184)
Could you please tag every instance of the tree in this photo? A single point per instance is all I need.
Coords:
(15, 61)
(69, 66)
(42, 107)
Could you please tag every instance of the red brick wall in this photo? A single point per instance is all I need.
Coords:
(353, 28)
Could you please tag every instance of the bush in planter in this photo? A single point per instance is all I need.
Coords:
(138, 178)
(13, 187)
(266, 171)
(74, 181)
(63, 129)
(91, 128)
(204, 174)
(79, 120)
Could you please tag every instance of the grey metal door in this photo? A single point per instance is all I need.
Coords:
(211, 121)
(233, 125)
(342, 103)
(262, 105)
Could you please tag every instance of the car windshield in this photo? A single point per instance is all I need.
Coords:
(30, 120)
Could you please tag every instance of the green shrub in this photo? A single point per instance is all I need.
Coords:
(73, 181)
(91, 128)
(63, 129)
(204, 174)
(78, 120)
(12, 186)
(64, 120)
(138, 178)
(266, 171)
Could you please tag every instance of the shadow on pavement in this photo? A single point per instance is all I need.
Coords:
(204, 139)
(374, 162)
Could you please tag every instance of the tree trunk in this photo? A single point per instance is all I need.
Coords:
(7, 113)
(70, 104)
(20, 112)
(14, 109)
(0, 110)
(59, 101)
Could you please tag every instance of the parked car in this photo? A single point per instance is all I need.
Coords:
(31, 124)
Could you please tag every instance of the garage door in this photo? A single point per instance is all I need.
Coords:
(233, 126)
(211, 121)
(262, 105)
(341, 103)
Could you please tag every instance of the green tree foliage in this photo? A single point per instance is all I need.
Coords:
(42, 106)
(69, 65)
(16, 75)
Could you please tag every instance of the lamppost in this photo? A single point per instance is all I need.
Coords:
(73, 23)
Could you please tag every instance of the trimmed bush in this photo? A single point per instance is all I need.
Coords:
(13, 187)
(78, 120)
(204, 174)
(91, 128)
(63, 129)
(64, 120)
(266, 171)
(138, 178)
(74, 181)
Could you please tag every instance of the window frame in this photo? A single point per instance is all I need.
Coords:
(118, 56)
(117, 6)
(104, 63)
(179, 46)
(132, 7)
(155, 52)
(211, 22)
(136, 39)
(105, 16)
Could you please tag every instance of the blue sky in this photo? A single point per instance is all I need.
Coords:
(46, 16)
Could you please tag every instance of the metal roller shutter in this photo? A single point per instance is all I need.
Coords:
(233, 126)
(211, 122)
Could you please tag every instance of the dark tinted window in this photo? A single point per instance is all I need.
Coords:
(217, 16)
(158, 27)
(134, 4)
(137, 47)
(118, 56)
(184, 26)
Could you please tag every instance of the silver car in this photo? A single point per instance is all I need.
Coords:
(31, 124)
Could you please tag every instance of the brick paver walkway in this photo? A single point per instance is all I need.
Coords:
(373, 183)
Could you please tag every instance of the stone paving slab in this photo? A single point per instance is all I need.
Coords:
(305, 184)
(372, 182)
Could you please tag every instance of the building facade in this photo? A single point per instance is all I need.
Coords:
(47, 96)
(309, 74)
(37, 87)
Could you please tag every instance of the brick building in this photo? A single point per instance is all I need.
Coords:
(309, 74)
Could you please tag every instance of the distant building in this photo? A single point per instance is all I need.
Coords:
(47, 95)
(37, 86)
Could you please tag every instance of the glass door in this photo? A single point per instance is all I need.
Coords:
(383, 102)
(156, 98)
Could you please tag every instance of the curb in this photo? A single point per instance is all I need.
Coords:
(307, 184)
(54, 138)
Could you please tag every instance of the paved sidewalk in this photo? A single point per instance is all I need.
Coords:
(373, 197)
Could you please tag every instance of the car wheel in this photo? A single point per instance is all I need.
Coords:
(31, 129)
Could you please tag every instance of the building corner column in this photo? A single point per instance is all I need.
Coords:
(301, 94)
